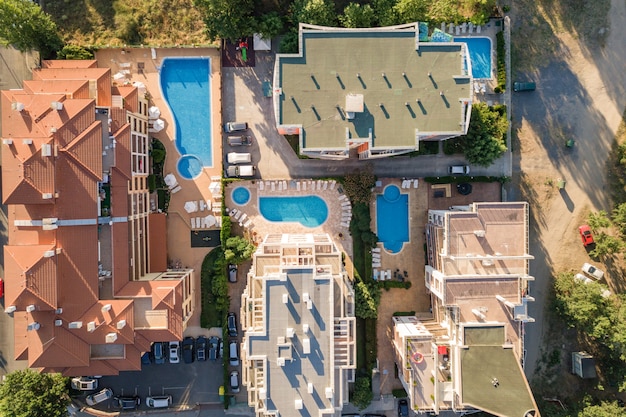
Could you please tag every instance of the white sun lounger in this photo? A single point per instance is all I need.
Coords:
(303, 185)
(273, 186)
(451, 28)
(243, 217)
(478, 29)
(238, 215)
(443, 26)
(376, 250)
(326, 185)
(389, 274)
(342, 197)
(415, 183)
(344, 224)
(285, 185)
(345, 204)
(233, 212)
(377, 265)
(193, 223)
(464, 27)
(202, 205)
(483, 88)
(280, 185)
(248, 223)
(218, 221)
(298, 185)
(261, 185)
(209, 205)
(375, 274)
(457, 30)
(176, 189)
(332, 184)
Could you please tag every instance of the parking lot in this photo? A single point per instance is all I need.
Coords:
(188, 384)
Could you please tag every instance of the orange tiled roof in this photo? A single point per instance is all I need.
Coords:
(70, 88)
(69, 63)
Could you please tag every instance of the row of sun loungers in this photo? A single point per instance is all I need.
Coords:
(462, 28)
(240, 216)
(206, 222)
(299, 185)
(381, 275)
(408, 183)
(172, 183)
(480, 88)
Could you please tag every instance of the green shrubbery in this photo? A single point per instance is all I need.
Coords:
(501, 63)
(362, 395)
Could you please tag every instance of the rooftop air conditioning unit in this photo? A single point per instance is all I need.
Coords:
(58, 311)
(479, 233)
(49, 254)
(106, 307)
(30, 308)
(46, 150)
(285, 298)
(58, 323)
(91, 326)
(10, 309)
(329, 392)
(121, 324)
(75, 325)
(33, 326)
(50, 227)
(53, 129)
(46, 196)
(7, 141)
(111, 337)
(17, 106)
(27, 141)
(50, 220)
(56, 105)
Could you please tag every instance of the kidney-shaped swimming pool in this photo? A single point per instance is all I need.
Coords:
(309, 211)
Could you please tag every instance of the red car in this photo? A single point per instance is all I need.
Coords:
(1, 288)
(585, 234)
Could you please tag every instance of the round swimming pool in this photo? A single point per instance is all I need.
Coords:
(241, 196)
(189, 167)
(391, 193)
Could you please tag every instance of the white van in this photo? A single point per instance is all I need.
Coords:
(239, 158)
(233, 354)
(159, 401)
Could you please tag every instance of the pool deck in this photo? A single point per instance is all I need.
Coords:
(178, 220)
(261, 227)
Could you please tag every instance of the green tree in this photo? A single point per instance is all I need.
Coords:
(366, 297)
(315, 12)
(606, 409)
(485, 139)
(357, 16)
(444, 11)
(270, 25)
(605, 246)
(25, 26)
(74, 52)
(32, 394)
(238, 250)
(227, 19)
(619, 219)
(289, 43)
(362, 395)
(358, 186)
(386, 12)
(599, 220)
(412, 10)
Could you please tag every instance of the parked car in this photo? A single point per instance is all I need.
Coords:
(188, 343)
(201, 348)
(239, 158)
(127, 403)
(99, 396)
(1, 288)
(240, 140)
(232, 273)
(524, 86)
(232, 324)
(234, 381)
(146, 358)
(83, 383)
(236, 171)
(235, 126)
(158, 352)
(213, 347)
(582, 278)
(586, 235)
(233, 353)
(403, 408)
(593, 271)
(159, 401)
(174, 352)
(458, 169)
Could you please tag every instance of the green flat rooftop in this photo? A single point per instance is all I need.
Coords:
(315, 86)
(485, 360)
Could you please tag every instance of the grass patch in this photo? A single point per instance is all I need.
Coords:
(212, 269)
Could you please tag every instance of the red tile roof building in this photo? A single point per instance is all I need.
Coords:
(86, 294)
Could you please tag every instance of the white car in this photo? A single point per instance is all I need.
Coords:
(592, 271)
(174, 352)
(84, 383)
(582, 278)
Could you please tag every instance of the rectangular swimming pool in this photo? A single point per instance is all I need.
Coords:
(185, 84)
(392, 218)
(480, 55)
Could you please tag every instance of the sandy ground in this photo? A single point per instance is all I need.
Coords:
(580, 96)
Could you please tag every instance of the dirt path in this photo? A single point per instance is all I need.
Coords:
(579, 96)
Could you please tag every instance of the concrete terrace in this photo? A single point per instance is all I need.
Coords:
(390, 70)
(143, 68)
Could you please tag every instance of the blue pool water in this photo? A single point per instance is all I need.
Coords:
(241, 195)
(185, 83)
(309, 211)
(480, 55)
(392, 218)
